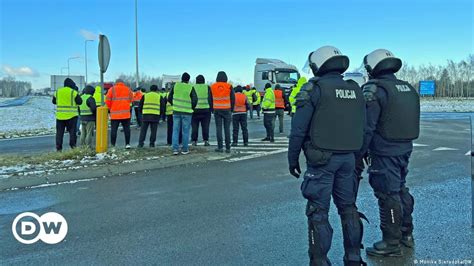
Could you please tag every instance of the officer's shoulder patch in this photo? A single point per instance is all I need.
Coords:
(303, 96)
(369, 91)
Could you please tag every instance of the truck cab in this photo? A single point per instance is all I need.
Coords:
(357, 77)
(275, 71)
(168, 81)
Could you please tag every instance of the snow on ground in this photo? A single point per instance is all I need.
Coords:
(447, 105)
(37, 117)
(5, 99)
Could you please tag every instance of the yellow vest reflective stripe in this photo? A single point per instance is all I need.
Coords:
(181, 98)
(202, 92)
(268, 103)
(66, 107)
(151, 103)
(85, 110)
(169, 107)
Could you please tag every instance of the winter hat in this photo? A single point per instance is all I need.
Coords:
(89, 90)
(185, 77)
(200, 79)
(238, 89)
(268, 85)
(221, 77)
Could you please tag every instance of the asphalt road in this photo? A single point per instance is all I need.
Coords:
(46, 143)
(240, 212)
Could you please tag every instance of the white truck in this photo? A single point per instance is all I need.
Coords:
(168, 81)
(357, 77)
(274, 71)
(57, 81)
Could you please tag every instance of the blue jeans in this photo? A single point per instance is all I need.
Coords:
(181, 123)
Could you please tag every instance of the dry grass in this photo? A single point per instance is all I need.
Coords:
(80, 153)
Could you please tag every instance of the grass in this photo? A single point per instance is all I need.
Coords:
(80, 153)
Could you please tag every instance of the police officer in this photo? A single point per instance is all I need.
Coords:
(393, 121)
(328, 126)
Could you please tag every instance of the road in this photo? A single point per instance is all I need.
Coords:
(245, 211)
(29, 145)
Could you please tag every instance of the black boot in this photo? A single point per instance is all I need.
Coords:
(407, 240)
(354, 263)
(390, 224)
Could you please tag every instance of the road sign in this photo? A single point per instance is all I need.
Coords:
(427, 87)
(104, 53)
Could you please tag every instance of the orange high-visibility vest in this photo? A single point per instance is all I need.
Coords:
(118, 100)
(137, 97)
(240, 103)
(221, 95)
(279, 102)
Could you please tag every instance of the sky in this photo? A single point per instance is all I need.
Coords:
(204, 37)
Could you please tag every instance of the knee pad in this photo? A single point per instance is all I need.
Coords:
(319, 234)
(352, 231)
(390, 215)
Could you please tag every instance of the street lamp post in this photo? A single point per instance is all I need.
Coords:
(69, 59)
(136, 42)
(85, 48)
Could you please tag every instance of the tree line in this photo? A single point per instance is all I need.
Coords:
(9, 87)
(455, 79)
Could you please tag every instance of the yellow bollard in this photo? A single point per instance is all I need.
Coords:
(102, 129)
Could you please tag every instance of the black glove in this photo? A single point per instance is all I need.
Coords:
(295, 170)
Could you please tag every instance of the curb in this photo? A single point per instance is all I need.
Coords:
(104, 170)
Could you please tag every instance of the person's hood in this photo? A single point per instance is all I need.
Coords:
(89, 90)
(69, 83)
(221, 77)
(301, 81)
(200, 79)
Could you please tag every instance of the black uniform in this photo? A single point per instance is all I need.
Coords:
(328, 126)
(393, 113)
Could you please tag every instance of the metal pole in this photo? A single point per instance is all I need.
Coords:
(136, 42)
(85, 48)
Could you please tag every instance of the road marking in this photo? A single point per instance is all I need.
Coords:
(468, 153)
(269, 144)
(252, 148)
(256, 155)
(419, 145)
(445, 149)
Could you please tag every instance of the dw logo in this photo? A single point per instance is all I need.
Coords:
(28, 228)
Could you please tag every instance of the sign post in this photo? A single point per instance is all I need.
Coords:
(102, 111)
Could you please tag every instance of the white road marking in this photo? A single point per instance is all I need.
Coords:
(269, 144)
(256, 155)
(253, 148)
(468, 153)
(419, 145)
(445, 149)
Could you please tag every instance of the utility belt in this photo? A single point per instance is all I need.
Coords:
(315, 156)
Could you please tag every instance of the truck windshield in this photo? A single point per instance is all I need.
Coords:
(286, 77)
